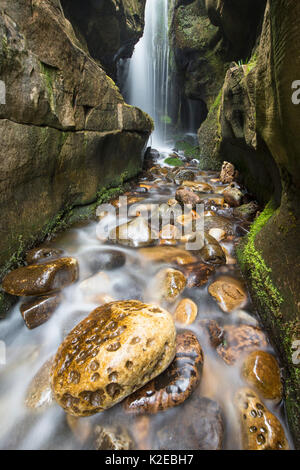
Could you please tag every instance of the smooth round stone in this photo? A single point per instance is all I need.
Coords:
(230, 293)
(39, 310)
(170, 255)
(196, 425)
(114, 351)
(217, 233)
(112, 438)
(38, 279)
(176, 384)
(261, 370)
(212, 251)
(103, 260)
(170, 283)
(197, 274)
(198, 186)
(136, 233)
(39, 393)
(169, 232)
(42, 254)
(187, 197)
(240, 340)
(261, 430)
(186, 312)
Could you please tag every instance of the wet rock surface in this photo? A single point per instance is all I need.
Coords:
(261, 430)
(112, 438)
(37, 311)
(41, 255)
(115, 350)
(186, 312)
(39, 393)
(170, 283)
(41, 279)
(229, 293)
(136, 233)
(176, 384)
(202, 419)
(239, 340)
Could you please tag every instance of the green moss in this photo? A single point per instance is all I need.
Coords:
(49, 74)
(258, 272)
(173, 161)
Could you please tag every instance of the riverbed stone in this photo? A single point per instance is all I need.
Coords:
(214, 331)
(170, 255)
(198, 186)
(261, 430)
(176, 384)
(39, 310)
(260, 370)
(197, 274)
(218, 221)
(228, 173)
(103, 260)
(186, 312)
(38, 279)
(43, 254)
(114, 351)
(169, 283)
(230, 293)
(240, 340)
(246, 211)
(135, 233)
(217, 233)
(212, 251)
(112, 438)
(187, 197)
(202, 422)
(233, 196)
(39, 393)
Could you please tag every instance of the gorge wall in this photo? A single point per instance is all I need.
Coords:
(66, 133)
(243, 56)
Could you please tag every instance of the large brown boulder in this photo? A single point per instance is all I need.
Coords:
(66, 133)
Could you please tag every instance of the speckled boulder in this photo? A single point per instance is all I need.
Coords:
(114, 351)
(261, 430)
(38, 279)
(261, 370)
(176, 384)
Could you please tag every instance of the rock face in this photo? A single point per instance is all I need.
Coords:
(114, 351)
(38, 279)
(65, 129)
(176, 384)
(109, 28)
(261, 430)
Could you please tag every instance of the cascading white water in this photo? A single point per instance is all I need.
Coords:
(147, 83)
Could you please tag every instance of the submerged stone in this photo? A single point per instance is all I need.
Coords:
(40, 279)
(42, 254)
(39, 393)
(229, 292)
(103, 260)
(196, 425)
(176, 384)
(114, 351)
(135, 233)
(187, 197)
(186, 312)
(197, 274)
(212, 251)
(261, 370)
(112, 438)
(261, 430)
(169, 283)
(37, 311)
(170, 255)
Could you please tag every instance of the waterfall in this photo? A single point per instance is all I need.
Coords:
(147, 83)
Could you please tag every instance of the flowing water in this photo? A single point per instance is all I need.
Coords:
(147, 83)
(27, 350)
